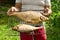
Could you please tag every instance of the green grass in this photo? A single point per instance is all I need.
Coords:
(6, 24)
(8, 33)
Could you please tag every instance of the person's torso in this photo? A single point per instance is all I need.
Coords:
(33, 5)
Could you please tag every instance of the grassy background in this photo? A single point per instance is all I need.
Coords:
(6, 23)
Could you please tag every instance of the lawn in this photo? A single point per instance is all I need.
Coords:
(6, 24)
(7, 33)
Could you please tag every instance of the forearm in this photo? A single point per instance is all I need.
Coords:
(47, 8)
(18, 6)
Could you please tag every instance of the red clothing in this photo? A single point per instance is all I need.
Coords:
(38, 35)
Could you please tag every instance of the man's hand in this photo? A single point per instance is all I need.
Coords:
(47, 11)
(11, 10)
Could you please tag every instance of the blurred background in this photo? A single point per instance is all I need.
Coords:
(6, 22)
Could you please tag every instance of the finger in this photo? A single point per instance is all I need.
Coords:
(13, 10)
(10, 10)
(46, 10)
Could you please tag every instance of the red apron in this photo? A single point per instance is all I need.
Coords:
(38, 35)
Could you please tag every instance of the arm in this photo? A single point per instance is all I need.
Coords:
(47, 8)
(18, 4)
(16, 8)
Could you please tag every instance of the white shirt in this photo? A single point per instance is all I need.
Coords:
(33, 4)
